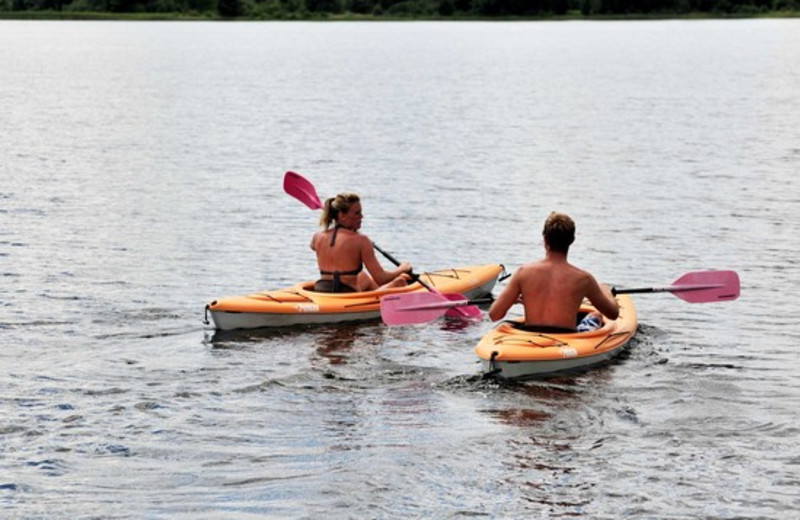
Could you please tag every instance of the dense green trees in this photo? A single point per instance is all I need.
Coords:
(297, 9)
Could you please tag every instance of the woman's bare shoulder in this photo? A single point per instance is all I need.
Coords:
(318, 235)
(359, 238)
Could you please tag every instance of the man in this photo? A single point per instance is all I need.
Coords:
(552, 289)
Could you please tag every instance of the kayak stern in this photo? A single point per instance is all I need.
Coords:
(511, 353)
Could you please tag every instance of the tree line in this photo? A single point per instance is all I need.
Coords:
(435, 9)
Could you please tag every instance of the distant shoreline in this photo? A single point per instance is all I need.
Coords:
(350, 17)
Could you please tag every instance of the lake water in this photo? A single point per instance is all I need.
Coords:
(141, 169)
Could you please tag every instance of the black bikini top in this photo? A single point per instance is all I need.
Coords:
(345, 273)
(336, 274)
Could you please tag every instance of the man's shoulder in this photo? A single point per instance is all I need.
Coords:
(543, 267)
(534, 269)
(536, 264)
(581, 274)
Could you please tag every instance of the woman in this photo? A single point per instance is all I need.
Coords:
(342, 251)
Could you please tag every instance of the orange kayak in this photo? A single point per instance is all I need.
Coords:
(300, 305)
(513, 353)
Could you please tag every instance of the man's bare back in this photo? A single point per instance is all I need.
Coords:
(552, 289)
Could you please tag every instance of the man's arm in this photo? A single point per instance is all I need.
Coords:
(602, 299)
(506, 299)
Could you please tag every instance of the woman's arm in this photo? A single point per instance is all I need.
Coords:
(379, 274)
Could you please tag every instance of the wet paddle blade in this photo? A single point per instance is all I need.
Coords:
(464, 310)
(301, 188)
(395, 308)
(419, 307)
(707, 286)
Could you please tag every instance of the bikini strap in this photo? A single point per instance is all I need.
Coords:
(333, 235)
(345, 273)
(337, 283)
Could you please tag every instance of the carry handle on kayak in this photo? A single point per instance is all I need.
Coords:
(303, 190)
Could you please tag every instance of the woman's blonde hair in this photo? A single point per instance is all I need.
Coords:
(334, 205)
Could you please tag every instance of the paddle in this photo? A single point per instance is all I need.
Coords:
(410, 308)
(301, 189)
(694, 287)
(697, 287)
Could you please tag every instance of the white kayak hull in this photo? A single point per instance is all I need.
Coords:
(300, 306)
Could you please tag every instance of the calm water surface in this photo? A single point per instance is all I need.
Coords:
(141, 170)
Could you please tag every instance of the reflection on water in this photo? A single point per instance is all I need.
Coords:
(333, 343)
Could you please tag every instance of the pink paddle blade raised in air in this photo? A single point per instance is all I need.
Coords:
(301, 188)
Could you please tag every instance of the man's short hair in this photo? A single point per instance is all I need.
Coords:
(559, 231)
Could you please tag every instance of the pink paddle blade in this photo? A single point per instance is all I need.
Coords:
(301, 188)
(707, 286)
(421, 307)
(404, 309)
(697, 287)
(463, 311)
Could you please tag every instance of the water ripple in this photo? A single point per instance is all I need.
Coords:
(120, 403)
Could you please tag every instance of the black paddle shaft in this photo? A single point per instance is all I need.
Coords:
(640, 290)
(393, 260)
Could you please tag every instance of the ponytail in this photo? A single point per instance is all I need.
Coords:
(329, 213)
(334, 205)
